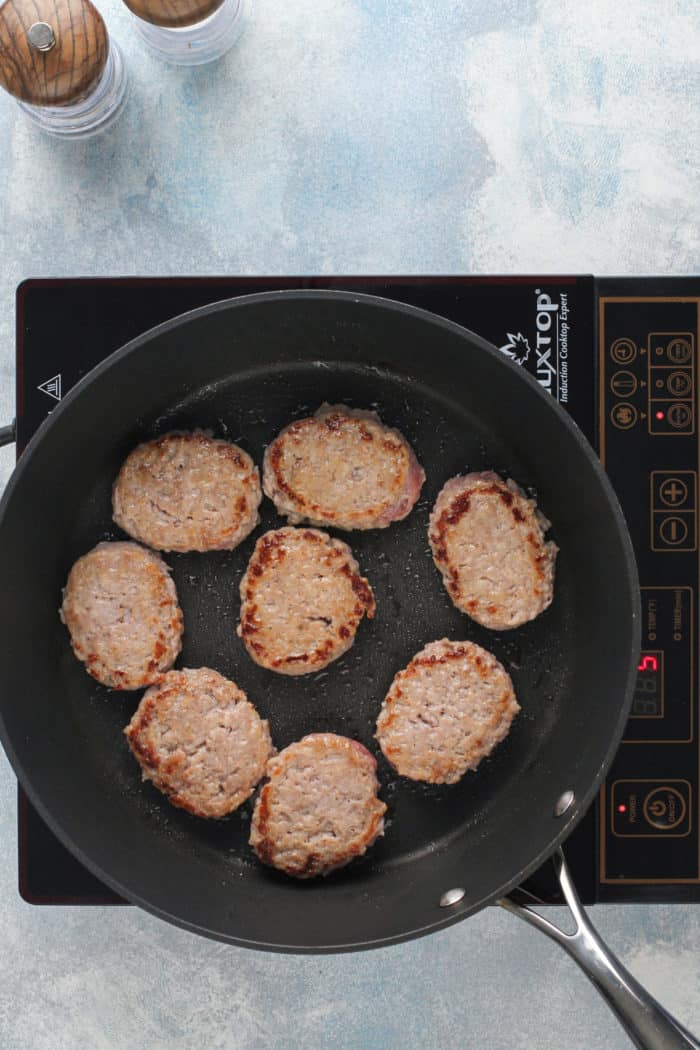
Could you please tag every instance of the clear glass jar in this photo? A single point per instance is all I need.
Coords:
(92, 114)
(202, 42)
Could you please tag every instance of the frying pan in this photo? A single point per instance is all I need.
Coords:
(245, 368)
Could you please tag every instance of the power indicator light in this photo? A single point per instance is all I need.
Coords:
(622, 808)
(659, 415)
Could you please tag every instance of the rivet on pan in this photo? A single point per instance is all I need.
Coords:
(451, 897)
(564, 802)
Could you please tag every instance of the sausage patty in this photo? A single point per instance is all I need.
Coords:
(488, 541)
(302, 600)
(319, 807)
(200, 741)
(120, 606)
(342, 467)
(187, 492)
(445, 712)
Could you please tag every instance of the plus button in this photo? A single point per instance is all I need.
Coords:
(673, 492)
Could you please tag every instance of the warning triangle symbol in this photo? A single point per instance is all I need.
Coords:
(52, 387)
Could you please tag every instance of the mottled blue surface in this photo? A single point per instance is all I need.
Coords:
(349, 136)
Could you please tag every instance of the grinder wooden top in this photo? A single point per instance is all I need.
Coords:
(52, 52)
(173, 14)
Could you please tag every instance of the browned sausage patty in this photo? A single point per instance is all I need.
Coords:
(302, 601)
(187, 492)
(488, 541)
(200, 741)
(120, 606)
(342, 467)
(445, 712)
(319, 808)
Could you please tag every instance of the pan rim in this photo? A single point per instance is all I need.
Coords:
(581, 805)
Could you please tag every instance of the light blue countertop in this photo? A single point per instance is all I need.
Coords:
(357, 136)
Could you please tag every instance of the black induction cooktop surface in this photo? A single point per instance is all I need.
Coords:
(621, 356)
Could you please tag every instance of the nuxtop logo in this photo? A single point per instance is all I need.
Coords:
(518, 347)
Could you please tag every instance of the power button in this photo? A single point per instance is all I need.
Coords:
(651, 808)
(664, 808)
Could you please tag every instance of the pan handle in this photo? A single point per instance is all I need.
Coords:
(646, 1022)
(8, 434)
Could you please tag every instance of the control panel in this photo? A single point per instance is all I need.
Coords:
(648, 434)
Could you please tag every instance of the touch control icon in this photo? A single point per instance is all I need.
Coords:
(679, 415)
(623, 415)
(623, 351)
(673, 492)
(664, 808)
(679, 351)
(623, 384)
(680, 384)
(673, 531)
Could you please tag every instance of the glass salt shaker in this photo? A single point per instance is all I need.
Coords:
(58, 61)
(189, 32)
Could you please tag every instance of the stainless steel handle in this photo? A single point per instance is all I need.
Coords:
(646, 1022)
(8, 434)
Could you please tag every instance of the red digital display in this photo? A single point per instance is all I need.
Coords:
(648, 693)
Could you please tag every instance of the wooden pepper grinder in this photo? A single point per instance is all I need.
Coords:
(59, 62)
(189, 32)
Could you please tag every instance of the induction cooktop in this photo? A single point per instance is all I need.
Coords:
(621, 356)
